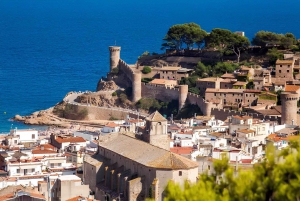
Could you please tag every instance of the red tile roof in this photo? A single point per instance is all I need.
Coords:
(45, 151)
(181, 150)
(69, 139)
(112, 125)
(292, 88)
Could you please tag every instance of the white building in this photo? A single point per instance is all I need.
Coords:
(87, 135)
(111, 128)
(25, 135)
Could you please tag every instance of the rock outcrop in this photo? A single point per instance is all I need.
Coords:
(107, 86)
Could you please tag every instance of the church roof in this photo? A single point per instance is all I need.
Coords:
(156, 116)
(144, 153)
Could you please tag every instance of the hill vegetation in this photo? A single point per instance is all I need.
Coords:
(275, 178)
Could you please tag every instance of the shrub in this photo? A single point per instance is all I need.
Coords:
(148, 104)
(115, 70)
(112, 118)
(146, 70)
(123, 97)
(147, 80)
(114, 93)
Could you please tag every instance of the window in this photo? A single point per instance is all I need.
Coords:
(280, 65)
(32, 170)
(215, 94)
(208, 167)
(180, 173)
(279, 71)
(287, 71)
(288, 66)
(18, 170)
(52, 165)
(16, 141)
(33, 136)
(58, 164)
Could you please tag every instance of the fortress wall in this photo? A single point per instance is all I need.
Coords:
(124, 67)
(159, 92)
(204, 106)
(222, 114)
(97, 113)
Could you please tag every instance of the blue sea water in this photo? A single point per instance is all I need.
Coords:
(51, 47)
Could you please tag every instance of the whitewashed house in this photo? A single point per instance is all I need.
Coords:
(111, 128)
(25, 135)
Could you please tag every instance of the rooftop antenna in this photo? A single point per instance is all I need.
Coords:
(115, 42)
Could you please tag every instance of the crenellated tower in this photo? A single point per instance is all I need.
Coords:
(114, 56)
(289, 108)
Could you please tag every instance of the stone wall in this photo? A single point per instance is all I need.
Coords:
(135, 188)
(222, 114)
(159, 92)
(96, 113)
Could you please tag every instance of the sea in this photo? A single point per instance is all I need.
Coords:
(51, 47)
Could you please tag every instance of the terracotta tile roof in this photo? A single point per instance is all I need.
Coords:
(245, 131)
(292, 88)
(181, 150)
(156, 116)
(112, 125)
(172, 161)
(274, 137)
(211, 90)
(45, 151)
(46, 146)
(228, 75)
(209, 79)
(284, 62)
(163, 82)
(217, 134)
(60, 139)
(144, 153)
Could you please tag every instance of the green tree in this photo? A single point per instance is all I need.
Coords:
(180, 34)
(202, 70)
(288, 40)
(224, 67)
(224, 40)
(273, 54)
(266, 38)
(237, 44)
(146, 70)
(276, 178)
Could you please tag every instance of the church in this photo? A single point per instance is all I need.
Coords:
(135, 169)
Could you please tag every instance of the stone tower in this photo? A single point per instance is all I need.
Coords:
(114, 56)
(136, 86)
(183, 92)
(156, 131)
(289, 108)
